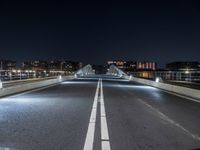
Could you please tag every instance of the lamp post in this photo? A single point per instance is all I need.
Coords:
(34, 74)
(27, 74)
(30, 74)
(188, 73)
(20, 74)
(10, 75)
(45, 72)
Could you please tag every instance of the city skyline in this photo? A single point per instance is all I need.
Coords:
(94, 32)
(125, 65)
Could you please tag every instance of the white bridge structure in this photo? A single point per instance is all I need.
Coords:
(85, 71)
(114, 71)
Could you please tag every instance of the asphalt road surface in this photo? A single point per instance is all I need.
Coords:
(95, 114)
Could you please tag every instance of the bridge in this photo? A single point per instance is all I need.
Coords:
(86, 111)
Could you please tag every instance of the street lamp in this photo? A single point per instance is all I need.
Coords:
(60, 78)
(34, 73)
(45, 72)
(130, 77)
(10, 74)
(187, 71)
(19, 71)
(188, 75)
(157, 79)
(27, 74)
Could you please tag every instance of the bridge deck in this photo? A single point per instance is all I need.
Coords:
(138, 117)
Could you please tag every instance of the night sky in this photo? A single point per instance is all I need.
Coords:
(97, 31)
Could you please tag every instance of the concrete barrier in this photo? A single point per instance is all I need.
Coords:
(33, 85)
(27, 80)
(19, 82)
(193, 93)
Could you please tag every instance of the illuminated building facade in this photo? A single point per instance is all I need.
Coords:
(181, 66)
(146, 65)
(7, 64)
(53, 65)
(118, 63)
(133, 65)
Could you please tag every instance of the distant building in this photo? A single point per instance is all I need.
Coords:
(99, 69)
(36, 65)
(39, 65)
(181, 66)
(118, 63)
(27, 65)
(72, 66)
(130, 66)
(55, 65)
(145, 65)
(133, 65)
(7, 64)
(61, 65)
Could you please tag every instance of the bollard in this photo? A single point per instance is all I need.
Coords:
(60, 78)
(1, 84)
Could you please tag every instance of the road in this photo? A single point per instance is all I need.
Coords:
(99, 114)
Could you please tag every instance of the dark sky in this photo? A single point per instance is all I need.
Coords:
(97, 31)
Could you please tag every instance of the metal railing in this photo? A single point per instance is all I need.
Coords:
(169, 75)
(9, 75)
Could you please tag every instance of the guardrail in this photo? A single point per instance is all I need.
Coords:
(193, 93)
(183, 75)
(31, 85)
(16, 82)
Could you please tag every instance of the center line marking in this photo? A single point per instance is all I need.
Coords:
(105, 143)
(91, 127)
(89, 141)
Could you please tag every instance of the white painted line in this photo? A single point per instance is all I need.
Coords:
(91, 127)
(104, 129)
(103, 112)
(105, 143)
(166, 118)
(90, 137)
